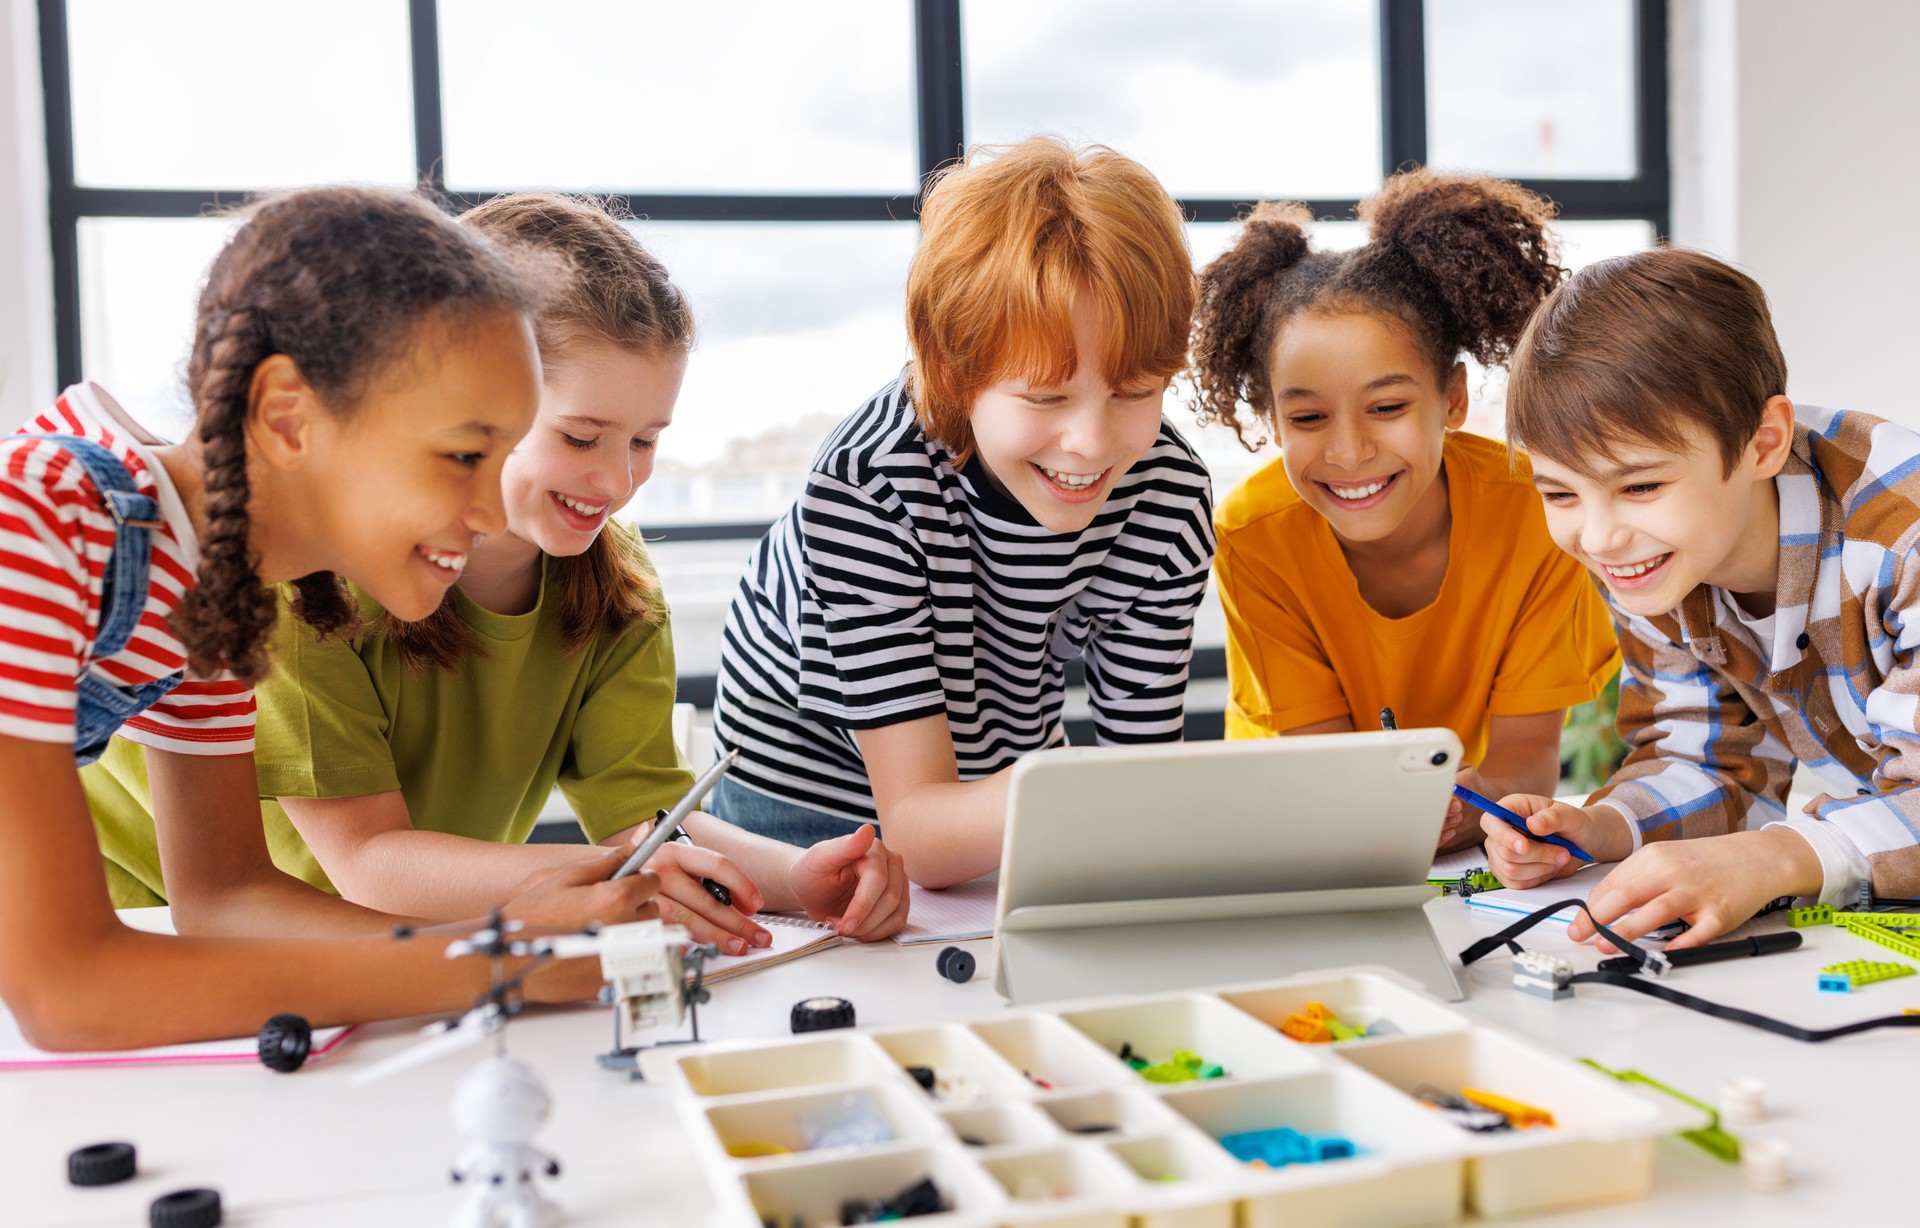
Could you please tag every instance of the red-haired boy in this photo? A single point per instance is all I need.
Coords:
(1013, 501)
(1760, 563)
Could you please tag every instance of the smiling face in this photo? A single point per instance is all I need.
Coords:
(601, 413)
(1059, 449)
(1654, 523)
(394, 493)
(1360, 420)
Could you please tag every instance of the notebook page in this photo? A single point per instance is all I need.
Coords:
(1454, 866)
(792, 938)
(953, 914)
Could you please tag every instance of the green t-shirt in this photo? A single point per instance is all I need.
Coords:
(476, 752)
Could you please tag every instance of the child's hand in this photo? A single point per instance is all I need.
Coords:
(1713, 883)
(1521, 863)
(854, 881)
(684, 899)
(579, 894)
(1457, 833)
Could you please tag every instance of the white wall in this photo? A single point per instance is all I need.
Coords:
(26, 259)
(1793, 125)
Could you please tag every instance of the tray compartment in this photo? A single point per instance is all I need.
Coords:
(1408, 1170)
(1199, 1024)
(1599, 1150)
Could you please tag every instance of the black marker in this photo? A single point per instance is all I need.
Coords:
(1713, 952)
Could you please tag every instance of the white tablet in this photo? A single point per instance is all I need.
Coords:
(1132, 868)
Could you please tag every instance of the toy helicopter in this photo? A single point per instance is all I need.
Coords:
(501, 1103)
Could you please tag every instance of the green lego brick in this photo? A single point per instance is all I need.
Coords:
(1818, 914)
(1710, 1138)
(1884, 935)
(1854, 973)
(1901, 919)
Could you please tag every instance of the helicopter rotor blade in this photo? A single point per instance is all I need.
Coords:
(471, 1029)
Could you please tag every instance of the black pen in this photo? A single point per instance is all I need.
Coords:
(1713, 952)
(1387, 723)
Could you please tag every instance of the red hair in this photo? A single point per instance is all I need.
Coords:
(1010, 240)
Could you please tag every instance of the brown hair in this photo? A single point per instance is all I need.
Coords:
(1631, 347)
(1459, 260)
(597, 282)
(1009, 240)
(340, 281)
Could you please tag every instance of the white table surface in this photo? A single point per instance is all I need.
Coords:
(307, 1149)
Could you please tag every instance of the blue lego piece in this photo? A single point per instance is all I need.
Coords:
(1283, 1145)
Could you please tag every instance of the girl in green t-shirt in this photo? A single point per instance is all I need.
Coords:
(405, 766)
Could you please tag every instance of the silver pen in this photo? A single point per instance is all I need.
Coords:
(663, 829)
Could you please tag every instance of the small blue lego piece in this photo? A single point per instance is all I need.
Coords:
(1283, 1145)
(1831, 982)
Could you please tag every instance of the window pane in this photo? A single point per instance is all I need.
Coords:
(752, 95)
(1516, 87)
(236, 93)
(1244, 99)
(797, 324)
(139, 281)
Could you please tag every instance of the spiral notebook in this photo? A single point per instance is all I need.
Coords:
(793, 937)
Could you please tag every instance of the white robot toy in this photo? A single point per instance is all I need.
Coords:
(497, 1108)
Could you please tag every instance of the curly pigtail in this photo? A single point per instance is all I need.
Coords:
(1234, 325)
(1482, 249)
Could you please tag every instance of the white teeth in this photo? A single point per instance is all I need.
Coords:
(1634, 569)
(1072, 481)
(449, 559)
(1357, 492)
(585, 509)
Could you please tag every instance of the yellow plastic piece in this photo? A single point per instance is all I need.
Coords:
(1521, 1116)
(756, 1151)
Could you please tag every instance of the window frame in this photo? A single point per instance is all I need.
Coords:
(940, 97)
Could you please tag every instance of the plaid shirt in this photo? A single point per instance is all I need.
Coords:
(1715, 721)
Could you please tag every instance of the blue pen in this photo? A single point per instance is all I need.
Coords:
(1517, 823)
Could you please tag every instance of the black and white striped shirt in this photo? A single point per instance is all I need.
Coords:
(898, 588)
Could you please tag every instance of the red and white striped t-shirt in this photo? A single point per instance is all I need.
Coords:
(55, 538)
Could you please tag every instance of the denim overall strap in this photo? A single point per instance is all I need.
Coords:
(102, 706)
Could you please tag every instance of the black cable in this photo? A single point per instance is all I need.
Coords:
(1648, 961)
(1734, 1014)
(1506, 937)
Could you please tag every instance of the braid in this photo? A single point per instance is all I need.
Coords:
(224, 620)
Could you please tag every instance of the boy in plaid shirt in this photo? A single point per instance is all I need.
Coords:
(1760, 562)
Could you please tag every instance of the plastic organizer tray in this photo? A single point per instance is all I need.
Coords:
(1029, 1080)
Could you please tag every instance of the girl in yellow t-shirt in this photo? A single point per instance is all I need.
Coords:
(405, 765)
(1387, 559)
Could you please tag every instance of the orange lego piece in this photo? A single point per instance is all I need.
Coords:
(1520, 1116)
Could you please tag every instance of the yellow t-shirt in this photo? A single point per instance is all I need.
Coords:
(475, 752)
(1518, 627)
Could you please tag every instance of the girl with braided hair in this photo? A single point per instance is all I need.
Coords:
(1387, 559)
(360, 367)
(406, 764)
